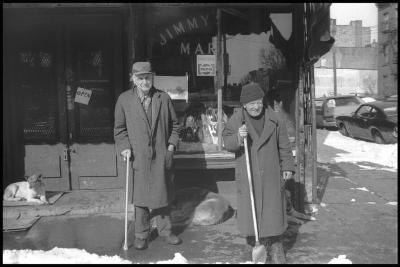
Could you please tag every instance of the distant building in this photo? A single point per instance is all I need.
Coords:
(356, 62)
(352, 35)
(387, 39)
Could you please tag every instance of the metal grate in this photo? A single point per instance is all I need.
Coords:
(45, 59)
(96, 132)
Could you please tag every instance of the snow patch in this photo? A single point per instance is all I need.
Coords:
(365, 168)
(353, 200)
(341, 259)
(360, 188)
(58, 256)
(178, 259)
(393, 203)
(362, 151)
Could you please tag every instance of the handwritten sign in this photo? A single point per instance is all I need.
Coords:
(175, 86)
(206, 65)
(83, 95)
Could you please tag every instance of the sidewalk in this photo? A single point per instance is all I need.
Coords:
(365, 230)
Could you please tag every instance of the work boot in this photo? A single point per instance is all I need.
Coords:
(140, 243)
(277, 253)
(172, 239)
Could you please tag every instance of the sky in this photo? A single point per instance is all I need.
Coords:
(346, 12)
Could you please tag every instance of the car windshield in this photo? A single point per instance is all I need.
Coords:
(350, 101)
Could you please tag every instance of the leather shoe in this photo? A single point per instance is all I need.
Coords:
(172, 239)
(140, 243)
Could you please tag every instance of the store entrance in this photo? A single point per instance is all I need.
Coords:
(54, 58)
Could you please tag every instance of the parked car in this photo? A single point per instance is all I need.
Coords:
(328, 108)
(375, 121)
(368, 99)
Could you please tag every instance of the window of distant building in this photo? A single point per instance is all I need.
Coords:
(386, 53)
(385, 22)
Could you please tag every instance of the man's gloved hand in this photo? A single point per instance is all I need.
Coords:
(126, 154)
(242, 133)
(287, 175)
(169, 157)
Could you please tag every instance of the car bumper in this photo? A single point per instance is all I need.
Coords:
(329, 123)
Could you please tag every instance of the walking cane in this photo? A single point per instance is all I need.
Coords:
(259, 254)
(126, 203)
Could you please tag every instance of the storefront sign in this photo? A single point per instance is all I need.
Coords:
(184, 26)
(206, 65)
(83, 95)
(175, 86)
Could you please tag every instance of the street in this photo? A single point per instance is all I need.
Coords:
(356, 217)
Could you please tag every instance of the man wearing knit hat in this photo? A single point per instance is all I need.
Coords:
(147, 128)
(271, 164)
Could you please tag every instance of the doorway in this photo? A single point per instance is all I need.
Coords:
(51, 58)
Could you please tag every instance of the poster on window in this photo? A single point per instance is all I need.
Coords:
(206, 65)
(175, 86)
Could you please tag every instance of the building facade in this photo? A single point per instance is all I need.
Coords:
(354, 59)
(66, 64)
(387, 39)
(352, 35)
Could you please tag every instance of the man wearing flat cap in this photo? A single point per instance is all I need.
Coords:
(146, 130)
(271, 164)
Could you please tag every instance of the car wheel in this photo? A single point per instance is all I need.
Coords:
(343, 129)
(378, 137)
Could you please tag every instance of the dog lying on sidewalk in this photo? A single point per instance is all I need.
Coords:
(292, 214)
(31, 190)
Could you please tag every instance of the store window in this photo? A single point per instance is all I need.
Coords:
(182, 47)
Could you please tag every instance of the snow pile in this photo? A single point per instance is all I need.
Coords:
(340, 260)
(362, 151)
(58, 256)
(178, 259)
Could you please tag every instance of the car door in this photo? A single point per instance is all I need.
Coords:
(361, 120)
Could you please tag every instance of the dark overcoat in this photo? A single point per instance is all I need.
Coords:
(270, 154)
(152, 183)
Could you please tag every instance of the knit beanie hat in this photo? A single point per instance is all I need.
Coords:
(251, 92)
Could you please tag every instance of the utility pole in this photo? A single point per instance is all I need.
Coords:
(334, 70)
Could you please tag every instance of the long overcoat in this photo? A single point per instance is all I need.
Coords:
(152, 183)
(269, 154)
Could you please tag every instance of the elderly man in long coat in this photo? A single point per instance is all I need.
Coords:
(146, 128)
(271, 164)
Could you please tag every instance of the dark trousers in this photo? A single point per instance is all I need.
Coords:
(142, 221)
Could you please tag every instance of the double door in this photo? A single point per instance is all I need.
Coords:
(54, 57)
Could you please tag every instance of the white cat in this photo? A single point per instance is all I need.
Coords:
(32, 190)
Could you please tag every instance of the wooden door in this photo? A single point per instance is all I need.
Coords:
(94, 62)
(36, 63)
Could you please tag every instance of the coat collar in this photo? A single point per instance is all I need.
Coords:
(270, 123)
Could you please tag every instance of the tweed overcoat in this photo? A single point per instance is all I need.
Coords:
(269, 154)
(152, 183)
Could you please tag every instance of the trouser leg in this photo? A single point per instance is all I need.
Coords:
(163, 219)
(142, 222)
(277, 251)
